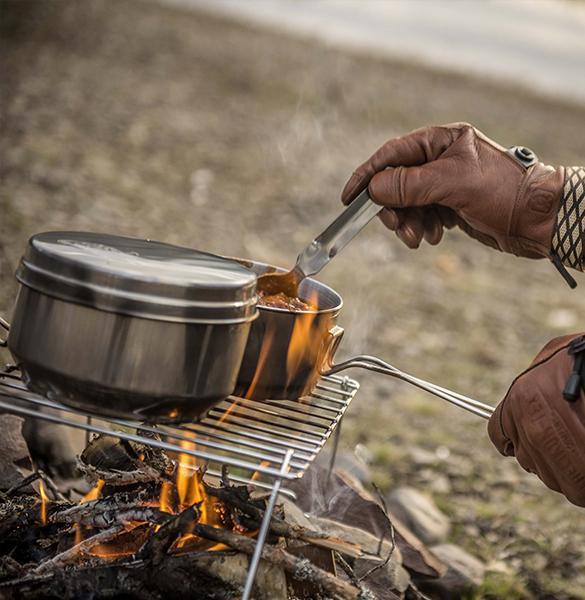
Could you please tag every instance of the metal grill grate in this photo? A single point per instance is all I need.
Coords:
(249, 436)
(264, 442)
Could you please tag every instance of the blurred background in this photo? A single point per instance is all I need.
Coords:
(232, 126)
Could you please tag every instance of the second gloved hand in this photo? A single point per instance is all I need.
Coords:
(545, 432)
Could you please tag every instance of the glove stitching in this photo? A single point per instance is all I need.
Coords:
(525, 372)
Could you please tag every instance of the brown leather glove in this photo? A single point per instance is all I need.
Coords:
(545, 432)
(440, 177)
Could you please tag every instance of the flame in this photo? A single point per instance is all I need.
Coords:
(302, 349)
(189, 486)
(78, 534)
(164, 502)
(44, 502)
(257, 474)
(94, 493)
(262, 358)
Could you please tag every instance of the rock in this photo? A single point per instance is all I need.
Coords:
(420, 514)
(422, 457)
(15, 462)
(439, 484)
(464, 573)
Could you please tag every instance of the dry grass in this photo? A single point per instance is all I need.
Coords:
(130, 118)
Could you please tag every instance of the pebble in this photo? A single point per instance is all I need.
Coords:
(464, 571)
(420, 514)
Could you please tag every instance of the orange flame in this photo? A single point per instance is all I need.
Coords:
(189, 486)
(94, 493)
(262, 358)
(78, 534)
(44, 502)
(164, 502)
(302, 349)
(257, 474)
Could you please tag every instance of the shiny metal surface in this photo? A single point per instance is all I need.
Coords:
(339, 233)
(139, 277)
(250, 435)
(323, 248)
(267, 369)
(120, 365)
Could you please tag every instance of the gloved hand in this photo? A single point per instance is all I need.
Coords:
(545, 432)
(440, 177)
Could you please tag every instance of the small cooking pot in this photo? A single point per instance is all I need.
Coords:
(130, 328)
(288, 351)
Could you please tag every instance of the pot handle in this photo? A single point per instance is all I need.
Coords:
(372, 363)
(5, 325)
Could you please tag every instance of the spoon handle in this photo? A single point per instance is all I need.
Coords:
(339, 233)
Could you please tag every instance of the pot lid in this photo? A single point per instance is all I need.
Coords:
(139, 277)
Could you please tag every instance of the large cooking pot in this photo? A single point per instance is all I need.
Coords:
(287, 352)
(130, 328)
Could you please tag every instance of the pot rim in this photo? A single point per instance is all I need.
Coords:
(249, 263)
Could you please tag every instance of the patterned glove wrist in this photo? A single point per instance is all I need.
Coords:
(569, 233)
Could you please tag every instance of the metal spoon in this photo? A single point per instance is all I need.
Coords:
(323, 248)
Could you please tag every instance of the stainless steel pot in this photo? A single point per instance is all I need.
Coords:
(287, 351)
(130, 328)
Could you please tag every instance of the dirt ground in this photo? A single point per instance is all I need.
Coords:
(126, 117)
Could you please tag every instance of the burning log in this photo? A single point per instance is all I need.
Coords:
(81, 549)
(158, 545)
(239, 497)
(119, 462)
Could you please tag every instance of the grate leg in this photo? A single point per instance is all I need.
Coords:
(255, 561)
(336, 436)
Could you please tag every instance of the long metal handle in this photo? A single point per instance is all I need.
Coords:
(345, 227)
(372, 363)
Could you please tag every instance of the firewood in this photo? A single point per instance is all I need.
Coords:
(235, 497)
(145, 474)
(159, 543)
(72, 554)
(108, 518)
(299, 568)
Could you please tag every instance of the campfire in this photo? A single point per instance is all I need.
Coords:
(149, 513)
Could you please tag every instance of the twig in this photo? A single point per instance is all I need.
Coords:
(23, 483)
(225, 476)
(52, 486)
(157, 545)
(73, 553)
(299, 568)
(233, 497)
(38, 474)
(347, 569)
(392, 538)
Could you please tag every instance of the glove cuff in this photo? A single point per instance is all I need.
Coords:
(569, 231)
